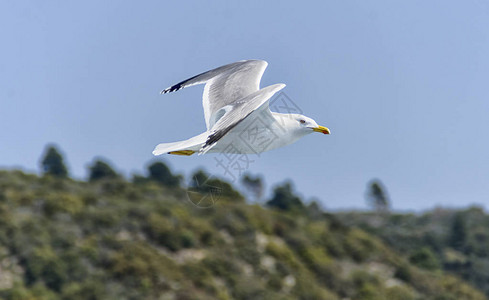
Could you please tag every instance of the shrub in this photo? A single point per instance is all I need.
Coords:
(52, 163)
(160, 173)
(43, 265)
(284, 198)
(425, 259)
(359, 245)
(101, 169)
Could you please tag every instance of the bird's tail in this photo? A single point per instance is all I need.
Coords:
(187, 147)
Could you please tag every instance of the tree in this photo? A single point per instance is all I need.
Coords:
(101, 169)
(203, 183)
(377, 196)
(160, 173)
(52, 163)
(254, 185)
(285, 199)
(458, 232)
(198, 182)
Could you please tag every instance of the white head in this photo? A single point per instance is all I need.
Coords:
(301, 125)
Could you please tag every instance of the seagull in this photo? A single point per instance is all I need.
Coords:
(237, 114)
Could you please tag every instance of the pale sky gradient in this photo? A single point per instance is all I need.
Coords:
(403, 86)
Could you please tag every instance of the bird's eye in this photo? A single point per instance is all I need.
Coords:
(302, 121)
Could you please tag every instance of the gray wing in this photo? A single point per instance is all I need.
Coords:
(240, 110)
(224, 86)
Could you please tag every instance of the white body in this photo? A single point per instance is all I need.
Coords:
(237, 114)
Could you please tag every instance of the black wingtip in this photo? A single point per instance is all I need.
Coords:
(166, 91)
(171, 89)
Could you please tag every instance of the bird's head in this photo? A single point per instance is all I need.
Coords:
(306, 125)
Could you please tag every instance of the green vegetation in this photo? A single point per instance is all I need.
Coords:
(109, 238)
(377, 196)
(285, 199)
(254, 185)
(53, 164)
(160, 173)
(444, 241)
(101, 169)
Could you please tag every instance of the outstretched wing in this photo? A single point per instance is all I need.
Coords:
(241, 109)
(224, 86)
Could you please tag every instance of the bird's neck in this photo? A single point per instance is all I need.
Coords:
(286, 129)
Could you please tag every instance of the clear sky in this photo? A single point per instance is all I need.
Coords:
(403, 86)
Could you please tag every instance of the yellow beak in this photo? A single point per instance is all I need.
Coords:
(322, 129)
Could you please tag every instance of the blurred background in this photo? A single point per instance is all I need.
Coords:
(402, 86)
(392, 205)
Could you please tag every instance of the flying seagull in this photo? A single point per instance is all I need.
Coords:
(237, 114)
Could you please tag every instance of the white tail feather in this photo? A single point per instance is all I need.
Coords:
(194, 144)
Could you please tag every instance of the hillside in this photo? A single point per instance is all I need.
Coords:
(114, 239)
(455, 241)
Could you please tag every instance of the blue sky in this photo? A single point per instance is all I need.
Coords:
(402, 86)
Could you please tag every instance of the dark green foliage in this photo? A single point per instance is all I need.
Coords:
(101, 169)
(111, 239)
(207, 185)
(52, 163)
(198, 181)
(455, 242)
(138, 179)
(458, 232)
(314, 211)
(284, 198)
(377, 196)
(86, 289)
(367, 286)
(160, 173)
(360, 246)
(43, 264)
(425, 259)
(254, 184)
(403, 272)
